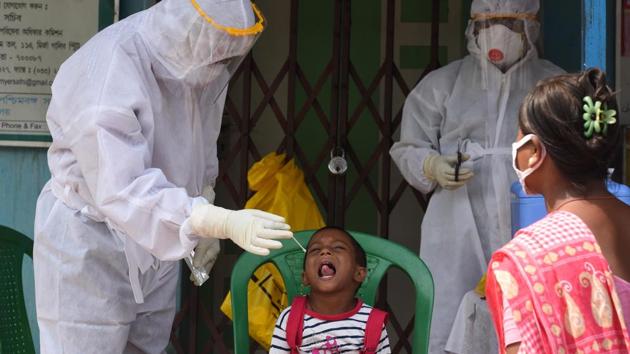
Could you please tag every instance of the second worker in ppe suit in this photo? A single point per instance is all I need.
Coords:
(135, 115)
(469, 106)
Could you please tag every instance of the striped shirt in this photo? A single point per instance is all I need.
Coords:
(343, 333)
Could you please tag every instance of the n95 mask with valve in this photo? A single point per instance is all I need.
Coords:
(501, 46)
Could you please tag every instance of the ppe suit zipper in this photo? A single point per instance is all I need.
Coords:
(197, 148)
(504, 95)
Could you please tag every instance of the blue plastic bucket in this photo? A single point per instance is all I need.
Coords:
(527, 209)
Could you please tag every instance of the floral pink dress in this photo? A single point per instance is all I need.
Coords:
(560, 289)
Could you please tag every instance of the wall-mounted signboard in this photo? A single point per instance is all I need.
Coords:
(36, 37)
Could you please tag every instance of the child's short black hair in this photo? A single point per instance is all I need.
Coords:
(359, 252)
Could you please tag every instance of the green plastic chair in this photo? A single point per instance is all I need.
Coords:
(381, 255)
(15, 333)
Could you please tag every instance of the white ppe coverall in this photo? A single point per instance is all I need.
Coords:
(135, 115)
(473, 102)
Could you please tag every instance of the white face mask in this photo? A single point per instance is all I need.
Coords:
(523, 174)
(501, 46)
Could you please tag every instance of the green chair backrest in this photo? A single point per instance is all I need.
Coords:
(381, 255)
(15, 333)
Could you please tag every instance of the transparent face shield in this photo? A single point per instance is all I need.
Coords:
(220, 50)
(501, 40)
(214, 79)
(192, 48)
(514, 24)
(503, 46)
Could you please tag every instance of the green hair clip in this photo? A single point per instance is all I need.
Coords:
(597, 119)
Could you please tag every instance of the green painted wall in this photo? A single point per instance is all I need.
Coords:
(420, 11)
(315, 44)
(365, 55)
(562, 39)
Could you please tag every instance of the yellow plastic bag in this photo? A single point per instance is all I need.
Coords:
(266, 297)
(280, 189)
(480, 289)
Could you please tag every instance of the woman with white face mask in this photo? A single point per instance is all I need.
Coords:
(562, 285)
(469, 106)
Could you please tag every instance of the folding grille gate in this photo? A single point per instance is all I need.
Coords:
(333, 102)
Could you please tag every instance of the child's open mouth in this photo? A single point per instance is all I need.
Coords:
(326, 270)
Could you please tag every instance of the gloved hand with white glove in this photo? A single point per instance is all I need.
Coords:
(206, 254)
(253, 230)
(442, 169)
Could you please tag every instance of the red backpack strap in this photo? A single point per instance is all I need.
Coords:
(374, 329)
(295, 323)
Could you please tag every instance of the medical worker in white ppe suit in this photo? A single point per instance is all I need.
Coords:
(135, 114)
(470, 106)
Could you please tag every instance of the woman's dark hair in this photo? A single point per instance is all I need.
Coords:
(553, 111)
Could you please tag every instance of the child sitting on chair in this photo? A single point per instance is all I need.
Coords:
(331, 319)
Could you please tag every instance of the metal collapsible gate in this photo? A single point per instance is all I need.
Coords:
(289, 99)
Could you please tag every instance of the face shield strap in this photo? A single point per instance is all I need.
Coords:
(257, 28)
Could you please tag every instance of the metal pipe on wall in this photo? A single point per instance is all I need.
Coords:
(116, 10)
(130, 7)
(594, 34)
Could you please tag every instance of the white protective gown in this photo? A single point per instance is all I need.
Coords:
(469, 99)
(135, 115)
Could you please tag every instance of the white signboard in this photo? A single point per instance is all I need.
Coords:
(36, 36)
